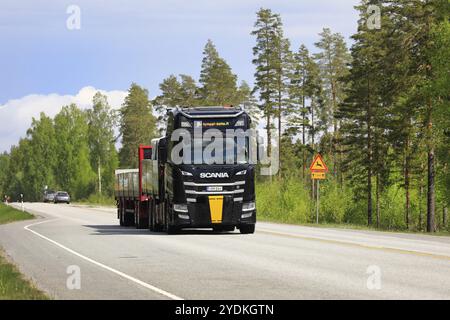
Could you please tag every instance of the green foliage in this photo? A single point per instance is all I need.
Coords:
(218, 82)
(98, 199)
(103, 155)
(73, 171)
(283, 201)
(137, 125)
(4, 165)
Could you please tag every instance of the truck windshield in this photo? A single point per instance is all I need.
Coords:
(217, 152)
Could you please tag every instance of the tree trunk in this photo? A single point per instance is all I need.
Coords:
(279, 125)
(431, 204)
(431, 198)
(269, 135)
(99, 172)
(304, 138)
(369, 157)
(421, 200)
(445, 218)
(407, 183)
(378, 200)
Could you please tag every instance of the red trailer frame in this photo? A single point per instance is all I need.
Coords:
(133, 211)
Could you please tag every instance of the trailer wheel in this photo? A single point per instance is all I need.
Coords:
(140, 224)
(121, 218)
(247, 229)
(151, 223)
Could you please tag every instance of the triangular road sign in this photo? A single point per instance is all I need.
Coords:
(318, 165)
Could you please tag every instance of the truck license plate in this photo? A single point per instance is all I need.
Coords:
(214, 189)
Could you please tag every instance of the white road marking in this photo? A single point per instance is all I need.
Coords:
(119, 273)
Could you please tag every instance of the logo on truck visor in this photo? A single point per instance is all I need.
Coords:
(210, 175)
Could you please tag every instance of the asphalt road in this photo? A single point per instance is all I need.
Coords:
(278, 262)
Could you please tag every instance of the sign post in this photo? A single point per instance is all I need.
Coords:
(318, 170)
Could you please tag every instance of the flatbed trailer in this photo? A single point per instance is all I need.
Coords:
(132, 203)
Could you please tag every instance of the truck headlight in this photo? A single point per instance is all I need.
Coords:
(242, 173)
(186, 174)
(249, 206)
(180, 208)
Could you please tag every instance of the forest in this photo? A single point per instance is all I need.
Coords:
(377, 108)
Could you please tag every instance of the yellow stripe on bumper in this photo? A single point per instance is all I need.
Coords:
(216, 208)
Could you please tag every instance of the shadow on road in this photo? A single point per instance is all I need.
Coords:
(118, 230)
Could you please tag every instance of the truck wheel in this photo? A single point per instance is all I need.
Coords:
(129, 219)
(247, 229)
(121, 215)
(169, 229)
(151, 223)
(140, 224)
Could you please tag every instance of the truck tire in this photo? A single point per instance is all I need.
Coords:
(140, 223)
(157, 227)
(168, 228)
(151, 222)
(247, 229)
(128, 219)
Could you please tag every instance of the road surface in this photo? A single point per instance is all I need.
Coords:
(278, 262)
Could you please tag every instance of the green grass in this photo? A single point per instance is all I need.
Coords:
(289, 201)
(9, 214)
(98, 200)
(12, 284)
(14, 287)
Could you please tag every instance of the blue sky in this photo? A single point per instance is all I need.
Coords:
(136, 41)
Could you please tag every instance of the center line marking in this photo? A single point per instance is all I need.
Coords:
(119, 273)
(358, 245)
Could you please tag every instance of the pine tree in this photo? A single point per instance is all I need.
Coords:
(249, 103)
(217, 80)
(137, 125)
(360, 113)
(333, 60)
(301, 88)
(269, 34)
(189, 91)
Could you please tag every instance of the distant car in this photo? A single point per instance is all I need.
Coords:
(49, 196)
(62, 197)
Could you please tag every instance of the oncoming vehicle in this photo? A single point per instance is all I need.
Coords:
(164, 195)
(49, 196)
(62, 197)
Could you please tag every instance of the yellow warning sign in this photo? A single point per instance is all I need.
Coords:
(318, 165)
(318, 175)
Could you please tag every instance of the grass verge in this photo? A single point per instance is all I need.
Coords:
(9, 214)
(98, 200)
(14, 287)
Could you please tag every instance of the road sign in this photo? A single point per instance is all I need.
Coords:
(318, 165)
(318, 175)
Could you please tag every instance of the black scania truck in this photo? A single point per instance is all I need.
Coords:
(190, 184)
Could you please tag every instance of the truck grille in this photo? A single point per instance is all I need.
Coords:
(194, 190)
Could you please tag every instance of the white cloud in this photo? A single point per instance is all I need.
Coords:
(16, 115)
